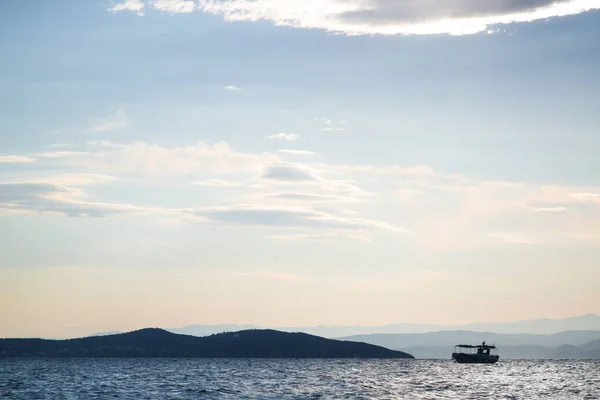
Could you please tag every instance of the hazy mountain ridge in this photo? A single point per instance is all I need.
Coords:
(451, 338)
(570, 344)
(439, 342)
(154, 342)
(588, 322)
(589, 350)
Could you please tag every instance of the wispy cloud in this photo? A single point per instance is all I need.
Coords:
(51, 195)
(332, 129)
(297, 152)
(329, 126)
(233, 88)
(62, 154)
(298, 175)
(585, 197)
(129, 5)
(158, 161)
(216, 183)
(260, 216)
(76, 179)
(284, 136)
(174, 6)
(378, 16)
(46, 198)
(417, 171)
(118, 120)
(320, 237)
(547, 209)
(288, 172)
(16, 159)
(310, 198)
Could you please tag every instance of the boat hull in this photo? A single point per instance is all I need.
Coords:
(475, 358)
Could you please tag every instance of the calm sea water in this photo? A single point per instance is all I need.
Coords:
(295, 379)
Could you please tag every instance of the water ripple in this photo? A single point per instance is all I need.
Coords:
(295, 379)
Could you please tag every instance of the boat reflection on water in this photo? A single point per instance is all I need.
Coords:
(475, 354)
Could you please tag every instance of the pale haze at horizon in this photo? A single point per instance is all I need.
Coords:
(163, 165)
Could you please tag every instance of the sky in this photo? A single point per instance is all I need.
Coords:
(296, 163)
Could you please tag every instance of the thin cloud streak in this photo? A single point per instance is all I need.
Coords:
(157, 161)
(297, 152)
(270, 217)
(332, 129)
(216, 183)
(46, 198)
(321, 237)
(547, 209)
(586, 197)
(15, 159)
(284, 136)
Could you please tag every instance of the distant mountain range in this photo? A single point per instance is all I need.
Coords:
(513, 352)
(520, 352)
(575, 337)
(161, 343)
(570, 344)
(588, 322)
(451, 338)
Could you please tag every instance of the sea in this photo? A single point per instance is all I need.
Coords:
(222, 379)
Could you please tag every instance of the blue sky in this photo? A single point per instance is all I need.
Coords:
(289, 163)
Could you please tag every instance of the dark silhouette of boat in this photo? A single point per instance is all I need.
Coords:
(475, 354)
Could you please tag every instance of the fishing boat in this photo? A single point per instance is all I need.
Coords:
(475, 354)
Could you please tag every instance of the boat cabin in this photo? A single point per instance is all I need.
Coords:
(481, 353)
(476, 349)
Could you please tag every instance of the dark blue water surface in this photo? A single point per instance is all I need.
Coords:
(295, 379)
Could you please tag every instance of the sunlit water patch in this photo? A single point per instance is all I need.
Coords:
(295, 379)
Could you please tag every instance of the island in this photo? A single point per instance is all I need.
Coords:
(159, 343)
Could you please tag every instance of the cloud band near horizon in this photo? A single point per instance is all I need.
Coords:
(360, 17)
